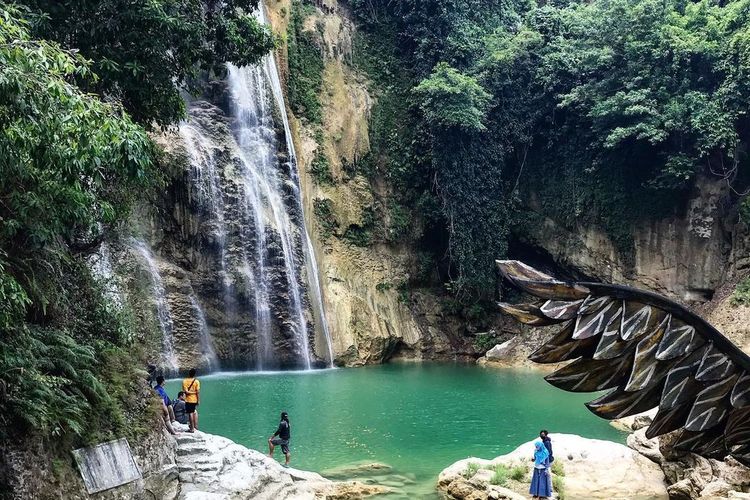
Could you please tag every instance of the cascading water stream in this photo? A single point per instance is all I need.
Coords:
(204, 336)
(310, 260)
(207, 182)
(245, 184)
(101, 267)
(163, 313)
(263, 190)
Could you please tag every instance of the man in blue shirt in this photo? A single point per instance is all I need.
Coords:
(166, 403)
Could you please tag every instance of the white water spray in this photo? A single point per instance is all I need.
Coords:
(207, 348)
(163, 313)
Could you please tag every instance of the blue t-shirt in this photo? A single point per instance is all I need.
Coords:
(163, 393)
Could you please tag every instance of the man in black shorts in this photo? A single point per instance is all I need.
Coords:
(281, 438)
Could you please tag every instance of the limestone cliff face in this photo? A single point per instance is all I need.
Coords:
(686, 257)
(696, 257)
(369, 319)
(215, 268)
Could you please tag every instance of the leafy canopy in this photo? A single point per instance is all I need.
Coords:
(69, 162)
(145, 51)
(600, 112)
(452, 99)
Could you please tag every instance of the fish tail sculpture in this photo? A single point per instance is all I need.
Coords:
(646, 351)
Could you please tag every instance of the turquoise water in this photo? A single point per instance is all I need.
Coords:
(416, 418)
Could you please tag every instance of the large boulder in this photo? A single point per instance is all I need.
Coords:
(215, 468)
(502, 352)
(587, 468)
(691, 476)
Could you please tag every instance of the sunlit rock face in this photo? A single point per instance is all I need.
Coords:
(370, 319)
(586, 468)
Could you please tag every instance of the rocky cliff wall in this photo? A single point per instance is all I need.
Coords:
(696, 257)
(211, 264)
(187, 264)
(370, 319)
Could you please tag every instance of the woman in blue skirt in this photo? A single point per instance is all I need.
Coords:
(541, 482)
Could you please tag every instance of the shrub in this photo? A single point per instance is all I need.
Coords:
(518, 472)
(741, 294)
(399, 221)
(558, 469)
(305, 68)
(320, 169)
(500, 477)
(485, 341)
(323, 210)
(558, 485)
(471, 469)
(358, 236)
(403, 292)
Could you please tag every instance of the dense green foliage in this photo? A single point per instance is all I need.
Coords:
(305, 67)
(79, 84)
(602, 113)
(450, 99)
(68, 163)
(741, 294)
(145, 51)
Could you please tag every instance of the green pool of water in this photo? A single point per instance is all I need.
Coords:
(416, 418)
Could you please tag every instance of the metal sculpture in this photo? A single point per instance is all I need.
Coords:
(648, 351)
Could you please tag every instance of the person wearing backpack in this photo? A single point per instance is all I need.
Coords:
(191, 386)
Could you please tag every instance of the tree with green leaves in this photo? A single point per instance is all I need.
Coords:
(601, 112)
(450, 99)
(146, 52)
(69, 162)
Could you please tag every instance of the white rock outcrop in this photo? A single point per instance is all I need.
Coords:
(502, 352)
(216, 468)
(592, 469)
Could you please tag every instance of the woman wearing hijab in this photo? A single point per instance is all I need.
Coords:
(541, 482)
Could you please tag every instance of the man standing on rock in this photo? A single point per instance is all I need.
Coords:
(544, 436)
(191, 386)
(281, 437)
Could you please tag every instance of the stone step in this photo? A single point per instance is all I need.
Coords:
(188, 437)
(193, 449)
(199, 467)
(277, 491)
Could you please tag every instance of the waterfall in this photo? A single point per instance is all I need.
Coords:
(264, 192)
(312, 271)
(163, 313)
(207, 348)
(206, 180)
(310, 260)
(245, 185)
(100, 264)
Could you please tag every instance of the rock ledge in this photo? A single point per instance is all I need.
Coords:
(215, 468)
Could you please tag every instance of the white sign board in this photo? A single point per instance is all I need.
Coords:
(107, 465)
